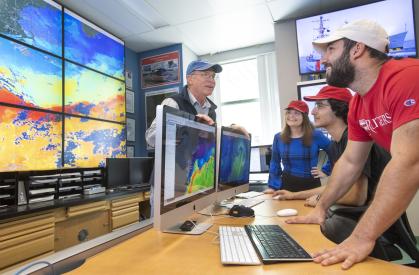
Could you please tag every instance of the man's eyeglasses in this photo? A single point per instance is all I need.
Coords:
(207, 75)
(320, 105)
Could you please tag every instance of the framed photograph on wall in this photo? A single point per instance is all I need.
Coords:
(130, 151)
(160, 70)
(154, 98)
(130, 102)
(128, 79)
(130, 129)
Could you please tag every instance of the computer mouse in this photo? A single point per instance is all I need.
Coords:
(241, 211)
(187, 225)
(287, 212)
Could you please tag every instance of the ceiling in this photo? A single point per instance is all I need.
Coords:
(204, 26)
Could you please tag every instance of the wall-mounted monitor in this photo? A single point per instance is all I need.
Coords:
(29, 77)
(396, 16)
(36, 23)
(310, 88)
(88, 142)
(91, 46)
(91, 94)
(185, 162)
(30, 140)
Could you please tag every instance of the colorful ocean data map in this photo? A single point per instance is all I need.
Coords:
(195, 160)
(29, 77)
(86, 44)
(34, 22)
(234, 159)
(30, 140)
(89, 142)
(91, 94)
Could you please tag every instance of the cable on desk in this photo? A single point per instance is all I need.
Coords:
(19, 272)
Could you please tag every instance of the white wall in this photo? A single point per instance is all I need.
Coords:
(288, 76)
(188, 56)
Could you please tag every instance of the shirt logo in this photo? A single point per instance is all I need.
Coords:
(371, 125)
(409, 102)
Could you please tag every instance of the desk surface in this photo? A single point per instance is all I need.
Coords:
(153, 252)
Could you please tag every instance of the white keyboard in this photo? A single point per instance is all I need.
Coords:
(246, 202)
(235, 246)
(248, 195)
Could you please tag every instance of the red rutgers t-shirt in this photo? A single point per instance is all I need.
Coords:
(391, 102)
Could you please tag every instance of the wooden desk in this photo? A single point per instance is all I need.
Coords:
(154, 252)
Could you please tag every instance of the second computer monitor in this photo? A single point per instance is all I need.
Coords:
(234, 163)
(260, 158)
(140, 170)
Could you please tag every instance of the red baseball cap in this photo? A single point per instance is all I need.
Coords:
(331, 92)
(298, 105)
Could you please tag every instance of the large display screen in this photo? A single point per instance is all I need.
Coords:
(58, 111)
(189, 160)
(29, 77)
(34, 22)
(92, 94)
(396, 16)
(88, 142)
(30, 140)
(90, 46)
(234, 158)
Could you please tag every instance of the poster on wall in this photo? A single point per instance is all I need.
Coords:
(154, 98)
(129, 99)
(130, 129)
(160, 70)
(128, 79)
(130, 151)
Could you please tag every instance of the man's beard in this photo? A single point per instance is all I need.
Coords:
(342, 72)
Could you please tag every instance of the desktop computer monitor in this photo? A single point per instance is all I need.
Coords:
(234, 163)
(117, 172)
(260, 158)
(185, 161)
(140, 170)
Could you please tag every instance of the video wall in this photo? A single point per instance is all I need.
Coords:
(62, 89)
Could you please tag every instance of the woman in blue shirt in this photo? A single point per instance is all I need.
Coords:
(297, 148)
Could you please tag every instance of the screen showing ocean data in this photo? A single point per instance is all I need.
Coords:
(34, 22)
(30, 140)
(29, 77)
(189, 163)
(88, 142)
(234, 158)
(92, 94)
(91, 46)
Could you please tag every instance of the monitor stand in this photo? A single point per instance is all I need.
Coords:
(201, 227)
(215, 209)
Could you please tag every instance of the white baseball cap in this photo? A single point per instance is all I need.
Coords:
(364, 31)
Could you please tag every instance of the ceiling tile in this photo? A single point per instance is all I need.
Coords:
(180, 11)
(231, 30)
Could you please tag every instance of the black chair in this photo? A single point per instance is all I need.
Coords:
(341, 220)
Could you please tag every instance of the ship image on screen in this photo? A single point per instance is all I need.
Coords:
(92, 94)
(88, 142)
(234, 160)
(29, 77)
(395, 16)
(195, 160)
(86, 44)
(34, 22)
(30, 140)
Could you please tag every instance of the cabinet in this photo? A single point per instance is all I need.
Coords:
(125, 211)
(26, 238)
(81, 223)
